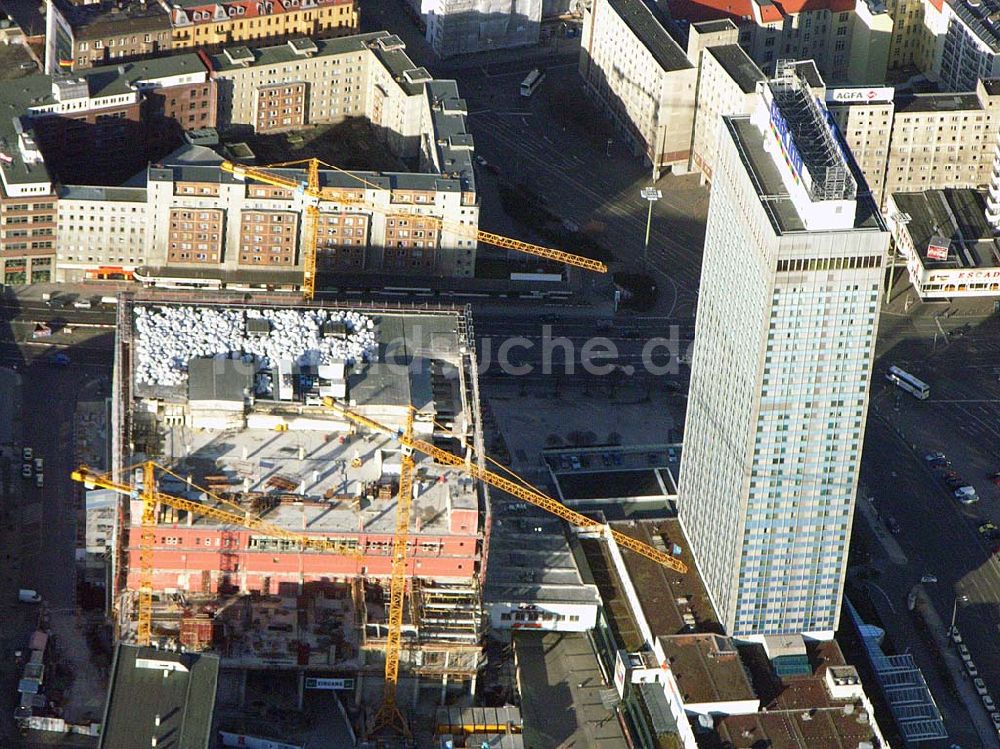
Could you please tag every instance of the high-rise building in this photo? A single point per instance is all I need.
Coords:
(789, 303)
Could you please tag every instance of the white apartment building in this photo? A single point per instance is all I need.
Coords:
(641, 78)
(961, 42)
(791, 289)
(727, 84)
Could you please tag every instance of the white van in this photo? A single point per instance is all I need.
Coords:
(25, 595)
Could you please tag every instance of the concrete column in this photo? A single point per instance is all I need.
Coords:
(302, 690)
(444, 688)
(416, 693)
(472, 686)
(359, 684)
(243, 687)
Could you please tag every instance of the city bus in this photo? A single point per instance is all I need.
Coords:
(534, 79)
(905, 381)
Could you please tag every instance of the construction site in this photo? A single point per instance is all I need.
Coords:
(303, 494)
(273, 514)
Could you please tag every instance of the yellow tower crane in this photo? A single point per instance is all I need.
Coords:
(389, 715)
(151, 497)
(525, 493)
(310, 189)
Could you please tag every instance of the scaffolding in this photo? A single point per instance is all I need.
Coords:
(829, 176)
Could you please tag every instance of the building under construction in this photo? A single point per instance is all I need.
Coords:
(235, 400)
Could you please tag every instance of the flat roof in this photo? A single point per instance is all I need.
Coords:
(738, 64)
(672, 603)
(561, 681)
(653, 34)
(949, 102)
(771, 188)
(147, 683)
(827, 728)
(708, 668)
(98, 20)
(531, 560)
(956, 216)
(711, 27)
(22, 98)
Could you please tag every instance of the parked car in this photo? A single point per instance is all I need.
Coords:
(27, 454)
(995, 717)
(988, 703)
(970, 666)
(964, 652)
(928, 579)
(25, 595)
(59, 359)
(39, 480)
(892, 524)
(981, 686)
(26, 470)
(989, 530)
(931, 457)
(955, 635)
(39, 464)
(995, 478)
(953, 482)
(966, 498)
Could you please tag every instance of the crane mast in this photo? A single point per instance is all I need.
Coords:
(313, 193)
(389, 714)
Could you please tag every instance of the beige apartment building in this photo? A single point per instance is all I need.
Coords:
(864, 118)
(916, 142)
(727, 85)
(193, 224)
(641, 79)
(307, 82)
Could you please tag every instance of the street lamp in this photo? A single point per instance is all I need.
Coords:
(650, 195)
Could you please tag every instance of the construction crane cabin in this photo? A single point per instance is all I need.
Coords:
(312, 193)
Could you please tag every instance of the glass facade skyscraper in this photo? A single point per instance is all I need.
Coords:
(784, 340)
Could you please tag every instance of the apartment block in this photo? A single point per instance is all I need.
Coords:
(943, 140)
(72, 127)
(184, 221)
(641, 79)
(204, 227)
(325, 80)
(727, 85)
(256, 432)
(962, 42)
(907, 142)
(102, 232)
(864, 117)
(911, 41)
(86, 35)
(792, 278)
(848, 39)
(196, 24)
(27, 238)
